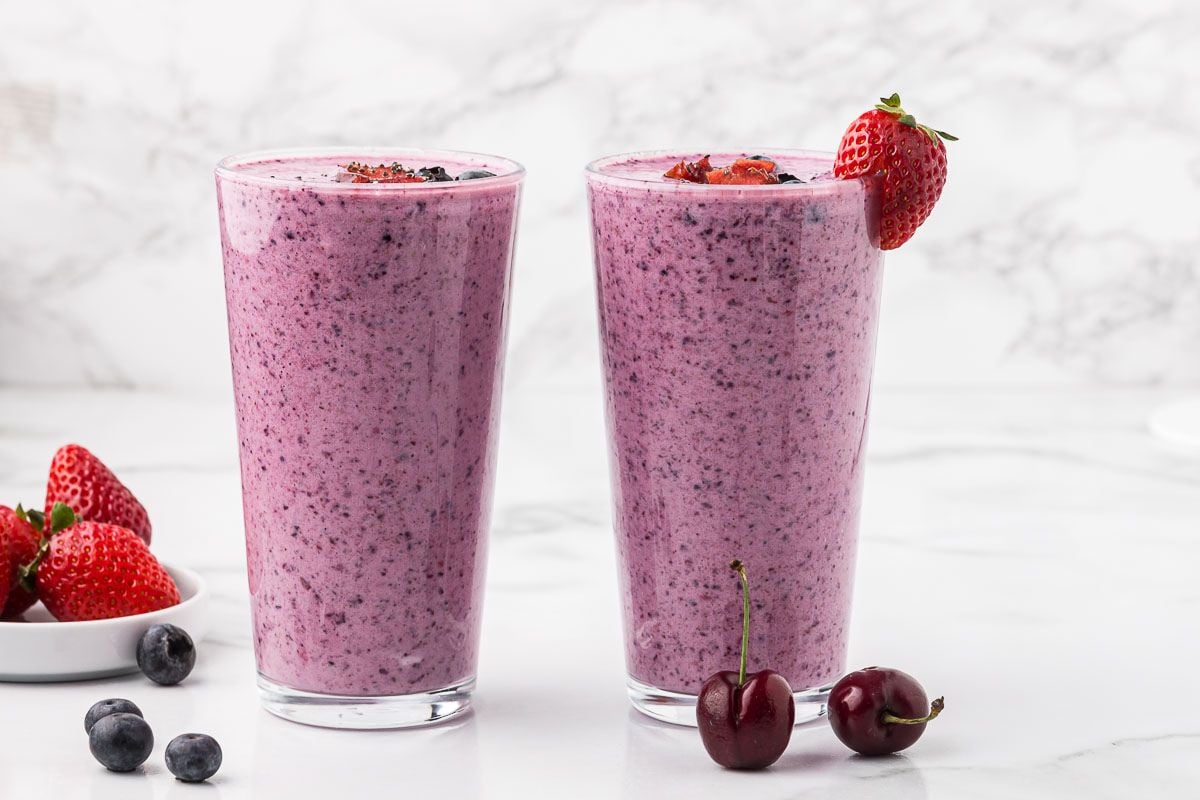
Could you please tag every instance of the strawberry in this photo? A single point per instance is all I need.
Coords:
(93, 570)
(394, 173)
(21, 531)
(6, 572)
(911, 158)
(80, 480)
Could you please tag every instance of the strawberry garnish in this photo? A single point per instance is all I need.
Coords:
(384, 173)
(93, 570)
(81, 481)
(910, 157)
(20, 533)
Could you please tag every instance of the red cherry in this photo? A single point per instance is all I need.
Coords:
(746, 726)
(745, 720)
(877, 710)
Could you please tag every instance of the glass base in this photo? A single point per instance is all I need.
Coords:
(366, 713)
(680, 709)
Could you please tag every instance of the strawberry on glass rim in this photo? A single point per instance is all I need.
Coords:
(910, 158)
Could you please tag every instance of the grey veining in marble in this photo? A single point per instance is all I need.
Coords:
(1064, 252)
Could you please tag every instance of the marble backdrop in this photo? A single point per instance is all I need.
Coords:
(1063, 253)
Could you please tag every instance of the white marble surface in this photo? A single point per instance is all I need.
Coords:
(1063, 253)
(1031, 555)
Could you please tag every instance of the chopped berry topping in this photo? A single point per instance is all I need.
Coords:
(393, 173)
(473, 174)
(745, 171)
(752, 171)
(691, 171)
(754, 162)
(437, 174)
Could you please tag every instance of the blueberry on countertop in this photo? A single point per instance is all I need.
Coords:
(166, 654)
(436, 174)
(102, 709)
(193, 757)
(472, 174)
(121, 742)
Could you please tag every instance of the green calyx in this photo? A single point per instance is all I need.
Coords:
(61, 518)
(892, 106)
(35, 518)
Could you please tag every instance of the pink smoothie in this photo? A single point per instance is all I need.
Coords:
(366, 326)
(738, 331)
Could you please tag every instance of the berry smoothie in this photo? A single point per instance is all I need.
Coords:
(738, 332)
(367, 326)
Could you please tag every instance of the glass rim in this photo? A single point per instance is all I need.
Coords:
(227, 168)
(594, 172)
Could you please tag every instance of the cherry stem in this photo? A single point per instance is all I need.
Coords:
(935, 708)
(737, 566)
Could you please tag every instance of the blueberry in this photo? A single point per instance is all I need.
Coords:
(436, 174)
(787, 177)
(165, 654)
(472, 174)
(759, 158)
(116, 705)
(121, 742)
(193, 757)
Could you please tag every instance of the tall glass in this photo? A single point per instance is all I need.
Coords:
(366, 329)
(738, 333)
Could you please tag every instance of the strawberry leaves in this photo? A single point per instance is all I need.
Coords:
(892, 106)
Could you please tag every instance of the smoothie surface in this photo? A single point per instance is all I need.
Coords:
(813, 168)
(327, 167)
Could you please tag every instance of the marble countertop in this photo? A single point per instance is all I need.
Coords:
(1030, 555)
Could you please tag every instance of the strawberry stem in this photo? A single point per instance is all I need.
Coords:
(61, 518)
(27, 573)
(892, 106)
(737, 566)
(35, 518)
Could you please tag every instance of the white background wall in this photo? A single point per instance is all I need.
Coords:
(1063, 252)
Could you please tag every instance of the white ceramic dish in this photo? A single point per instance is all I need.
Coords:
(39, 649)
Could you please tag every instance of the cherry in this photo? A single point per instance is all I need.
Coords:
(745, 720)
(878, 710)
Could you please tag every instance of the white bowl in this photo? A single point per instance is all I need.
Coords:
(40, 649)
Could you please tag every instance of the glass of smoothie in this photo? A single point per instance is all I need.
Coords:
(367, 313)
(737, 326)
